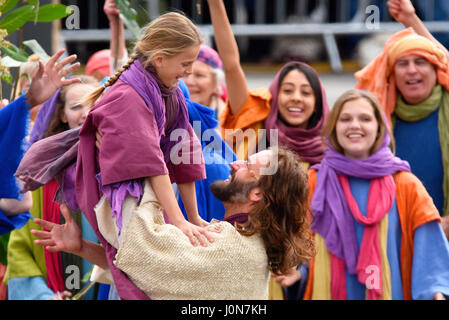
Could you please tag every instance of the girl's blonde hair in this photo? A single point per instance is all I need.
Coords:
(329, 130)
(170, 34)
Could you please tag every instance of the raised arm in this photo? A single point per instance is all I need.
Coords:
(14, 206)
(404, 12)
(238, 91)
(117, 29)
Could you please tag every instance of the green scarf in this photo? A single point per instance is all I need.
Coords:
(411, 113)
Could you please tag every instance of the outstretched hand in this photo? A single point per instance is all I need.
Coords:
(50, 77)
(56, 238)
(401, 10)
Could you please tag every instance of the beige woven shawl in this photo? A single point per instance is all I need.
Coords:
(162, 262)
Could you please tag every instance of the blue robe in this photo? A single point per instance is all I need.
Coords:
(14, 120)
(217, 157)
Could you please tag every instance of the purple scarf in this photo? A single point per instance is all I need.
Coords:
(43, 118)
(172, 115)
(332, 218)
(307, 143)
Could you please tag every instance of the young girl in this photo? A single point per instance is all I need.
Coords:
(31, 266)
(377, 231)
(136, 117)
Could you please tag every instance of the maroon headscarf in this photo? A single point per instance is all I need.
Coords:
(307, 143)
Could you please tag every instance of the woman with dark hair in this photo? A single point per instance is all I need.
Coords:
(290, 113)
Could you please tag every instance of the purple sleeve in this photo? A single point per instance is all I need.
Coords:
(130, 147)
(186, 160)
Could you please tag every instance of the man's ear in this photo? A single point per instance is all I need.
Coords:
(255, 194)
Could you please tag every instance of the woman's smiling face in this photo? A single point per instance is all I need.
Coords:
(296, 99)
(357, 128)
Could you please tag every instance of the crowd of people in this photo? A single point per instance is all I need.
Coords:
(163, 176)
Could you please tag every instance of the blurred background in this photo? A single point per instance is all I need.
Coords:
(337, 37)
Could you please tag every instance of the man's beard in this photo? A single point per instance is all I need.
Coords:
(232, 192)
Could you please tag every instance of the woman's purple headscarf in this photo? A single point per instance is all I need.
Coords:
(307, 143)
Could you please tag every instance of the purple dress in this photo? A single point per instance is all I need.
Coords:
(130, 150)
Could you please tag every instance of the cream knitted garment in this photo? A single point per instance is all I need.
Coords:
(162, 262)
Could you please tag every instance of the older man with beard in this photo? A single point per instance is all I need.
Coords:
(266, 229)
(411, 80)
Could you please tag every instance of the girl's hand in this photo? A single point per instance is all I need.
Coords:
(198, 221)
(56, 238)
(290, 278)
(196, 233)
(401, 10)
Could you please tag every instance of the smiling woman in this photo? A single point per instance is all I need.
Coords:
(364, 200)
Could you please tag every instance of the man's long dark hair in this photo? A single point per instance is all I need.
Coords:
(282, 216)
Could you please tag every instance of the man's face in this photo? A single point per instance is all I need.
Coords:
(243, 177)
(415, 78)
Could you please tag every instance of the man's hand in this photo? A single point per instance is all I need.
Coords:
(50, 78)
(290, 278)
(56, 238)
(401, 10)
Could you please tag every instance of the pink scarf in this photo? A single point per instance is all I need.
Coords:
(51, 212)
(380, 200)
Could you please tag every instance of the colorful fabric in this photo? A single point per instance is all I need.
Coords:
(14, 122)
(439, 99)
(380, 201)
(52, 158)
(168, 105)
(332, 216)
(25, 259)
(307, 143)
(99, 62)
(331, 285)
(209, 56)
(43, 118)
(51, 212)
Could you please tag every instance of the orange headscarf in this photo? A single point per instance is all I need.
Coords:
(378, 78)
